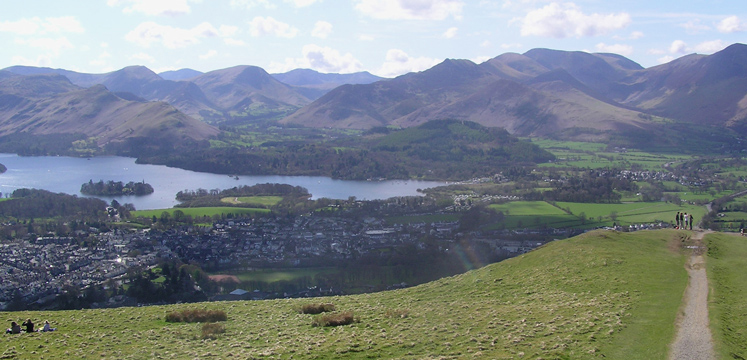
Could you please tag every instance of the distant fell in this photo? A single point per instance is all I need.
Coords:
(181, 74)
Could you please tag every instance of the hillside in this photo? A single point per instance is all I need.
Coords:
(51, 104)
(550, 93)
(600, 295)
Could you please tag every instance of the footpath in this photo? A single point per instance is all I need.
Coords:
(693, 339)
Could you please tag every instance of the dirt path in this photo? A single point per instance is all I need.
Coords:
(693, 339)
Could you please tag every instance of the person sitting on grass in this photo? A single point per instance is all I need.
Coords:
(29, 326)
(47, 327)
(14, 328)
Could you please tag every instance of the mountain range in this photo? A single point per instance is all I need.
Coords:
(543, 92)
(548, 93)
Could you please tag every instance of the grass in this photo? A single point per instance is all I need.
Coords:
(316, 308)
(601, 294)
(264, 201)
(634, 213)
(199, 211)
(270, 276)
(726, 261)
(594, 156)
(196, 315)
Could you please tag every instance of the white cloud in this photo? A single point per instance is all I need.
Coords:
(635, 35)
(678, 47)
(149, 32)
(41, 61)
(248, 4)
(52, 45)
(101, 60)
(322, 59)
(665, 59)
(38, 26)
(694, 26)
(450, 33)
(398, 62)
(234, 42)
(211, 53)
(410, 9)
(260, 26)
(227, 31)
(710, 47)
(731, 24)
(706, 47)
(301, 3)
(480, 59)
(143, 57)
(619, 49)
(154, 7)
(566, 20)
(366, 37)
(322, 29)
(511, 46)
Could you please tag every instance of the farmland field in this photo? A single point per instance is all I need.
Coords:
(200, 211)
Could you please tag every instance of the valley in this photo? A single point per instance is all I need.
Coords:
(552, 236)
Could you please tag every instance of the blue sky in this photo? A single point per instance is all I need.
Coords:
(384, 37)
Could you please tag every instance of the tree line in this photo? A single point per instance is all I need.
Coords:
(115, 188)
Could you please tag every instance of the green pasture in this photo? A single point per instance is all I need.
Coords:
(726, 261)
(600, 295)
(275, 275)
(266, 201)
(634, 213)
(594, 156)
(199, 211)
(527, 208)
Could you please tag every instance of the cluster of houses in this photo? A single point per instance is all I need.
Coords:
(38, 270)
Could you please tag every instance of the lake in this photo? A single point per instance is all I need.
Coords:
(66, 174)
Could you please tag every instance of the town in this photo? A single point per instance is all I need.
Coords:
(34, 272)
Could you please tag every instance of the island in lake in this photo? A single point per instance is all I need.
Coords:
(115, 188)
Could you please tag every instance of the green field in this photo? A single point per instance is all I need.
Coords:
(727, 259)
(600, 295)
(200, 211)
(270, 276)
(595, 156)
(266, 201)
(634, 213)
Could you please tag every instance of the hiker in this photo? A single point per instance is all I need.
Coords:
(692, 220)
(14, 328)
(684, 224)
(29, 326)
(677, 220)
(682, 219)
(47, 327)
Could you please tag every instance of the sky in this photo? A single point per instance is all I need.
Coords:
(385, 37)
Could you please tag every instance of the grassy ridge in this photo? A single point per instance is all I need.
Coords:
(727, 259)
(603, 293)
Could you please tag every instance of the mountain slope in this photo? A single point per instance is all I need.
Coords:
(700, 89)
(181, 74)
(600, 295)
(50, 104)
(315, 79)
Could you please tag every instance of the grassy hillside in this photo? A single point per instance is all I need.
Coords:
(727, 259)
(603, 293)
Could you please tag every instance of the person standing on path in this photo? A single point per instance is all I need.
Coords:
(677, 220)
(692, 220)
(682, 219)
